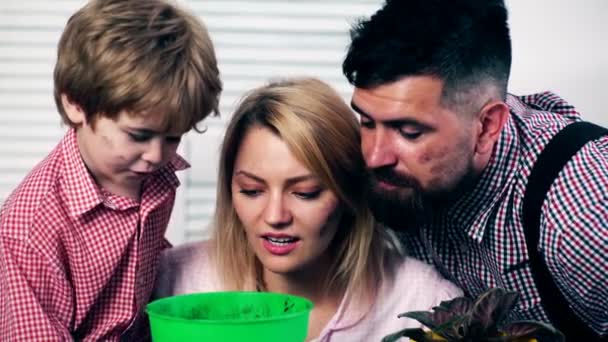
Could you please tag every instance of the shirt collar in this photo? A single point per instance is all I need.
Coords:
(177, 163)
(82, 193)
(475, 208)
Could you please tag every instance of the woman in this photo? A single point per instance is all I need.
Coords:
(291, 217)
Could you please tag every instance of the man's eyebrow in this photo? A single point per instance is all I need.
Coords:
(394, 122)
(358, 110)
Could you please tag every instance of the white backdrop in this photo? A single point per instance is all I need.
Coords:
(557, 45)
(562, 45)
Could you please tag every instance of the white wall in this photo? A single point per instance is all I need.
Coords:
(558, 45)
(562, 46)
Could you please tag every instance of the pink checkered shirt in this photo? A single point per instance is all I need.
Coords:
(479, 242)
(76, 262)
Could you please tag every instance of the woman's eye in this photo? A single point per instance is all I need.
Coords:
(250, 193)
(307, 195)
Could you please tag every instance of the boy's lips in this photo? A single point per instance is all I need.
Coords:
(141, 174)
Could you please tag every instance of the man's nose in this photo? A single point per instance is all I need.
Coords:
(378, 148)
(276, 213)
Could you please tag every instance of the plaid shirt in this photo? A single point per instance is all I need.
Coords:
(479, 241)
(77, 262)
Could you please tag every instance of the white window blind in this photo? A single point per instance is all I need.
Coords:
(254, 41)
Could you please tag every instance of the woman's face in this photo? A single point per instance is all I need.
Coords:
(290, 218)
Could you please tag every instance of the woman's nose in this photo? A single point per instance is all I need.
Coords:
(276, 213)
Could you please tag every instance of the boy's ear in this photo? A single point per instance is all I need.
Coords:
(492, 118)
(73, 111)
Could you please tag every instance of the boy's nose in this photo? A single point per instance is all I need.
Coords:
(377, 148)
(276, 214)
(154, 151)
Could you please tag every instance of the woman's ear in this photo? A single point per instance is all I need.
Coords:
(492, 118)
(74, 112)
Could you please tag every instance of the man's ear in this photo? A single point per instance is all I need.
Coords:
(74, 112)
(491, 120)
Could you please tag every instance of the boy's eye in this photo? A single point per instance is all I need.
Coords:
(308, 195)
(174, 140)
(139, 137)
(250, 192)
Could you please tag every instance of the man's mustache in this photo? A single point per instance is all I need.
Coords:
(390, 176)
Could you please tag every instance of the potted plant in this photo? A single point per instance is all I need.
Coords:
(464, 319)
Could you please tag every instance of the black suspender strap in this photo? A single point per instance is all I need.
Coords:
(550, 162)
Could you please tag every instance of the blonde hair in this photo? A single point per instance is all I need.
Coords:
(322, 133)
(146, 57)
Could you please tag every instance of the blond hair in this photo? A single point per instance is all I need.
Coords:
(145, 57)
(323, 134)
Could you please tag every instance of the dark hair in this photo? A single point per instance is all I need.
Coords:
(462, 42)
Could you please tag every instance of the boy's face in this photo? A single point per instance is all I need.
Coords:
(120, 153)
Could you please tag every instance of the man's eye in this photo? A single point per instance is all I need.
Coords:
(250, 192)
(307, 195)
(367, 123)
(410, 134)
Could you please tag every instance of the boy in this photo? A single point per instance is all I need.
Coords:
(81, 235)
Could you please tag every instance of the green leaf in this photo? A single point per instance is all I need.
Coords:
(488, 312)
(498, 339)
(430, 319)
(457, 306)
(452, 329)
(543, 332)
(418, 334)
(464, 320)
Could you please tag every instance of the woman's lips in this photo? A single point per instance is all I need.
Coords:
(279, 244)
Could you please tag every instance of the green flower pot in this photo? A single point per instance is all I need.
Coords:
(230, 316)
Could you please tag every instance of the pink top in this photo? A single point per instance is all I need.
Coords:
(417, 286)
(77, 262)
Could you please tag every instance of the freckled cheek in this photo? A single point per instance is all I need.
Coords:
(424, 158)
(119, 151)
(108, 142)
(126, 155)
(436, 159)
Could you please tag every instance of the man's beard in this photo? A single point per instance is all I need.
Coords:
(409, 205)
(399, 209)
